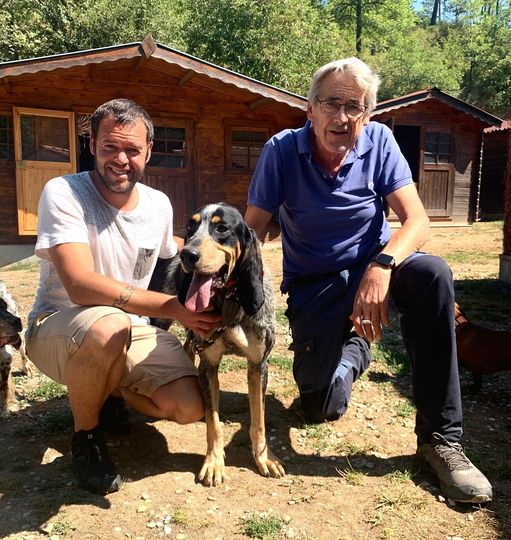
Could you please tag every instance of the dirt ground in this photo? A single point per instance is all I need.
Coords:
(350, 479)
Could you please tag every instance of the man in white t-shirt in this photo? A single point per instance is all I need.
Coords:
(99, 236)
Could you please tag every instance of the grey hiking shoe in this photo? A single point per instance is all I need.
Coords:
(460, 480)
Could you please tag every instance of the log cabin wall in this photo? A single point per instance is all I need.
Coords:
(493, 174)
(465, 136)
(207, 109)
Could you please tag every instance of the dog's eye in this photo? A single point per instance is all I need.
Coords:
(221, 228)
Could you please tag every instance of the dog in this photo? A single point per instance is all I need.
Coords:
(481, 350)
(220, 267)
(10, 336)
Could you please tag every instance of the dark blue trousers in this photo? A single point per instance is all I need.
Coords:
(329, 356)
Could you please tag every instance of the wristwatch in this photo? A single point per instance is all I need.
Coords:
(385, 260)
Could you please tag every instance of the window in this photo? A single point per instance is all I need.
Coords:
(437, 148)
(169, 148)
(44, 138)
(6, 138)
(246, 146)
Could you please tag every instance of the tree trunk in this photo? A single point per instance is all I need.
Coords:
(435, 14)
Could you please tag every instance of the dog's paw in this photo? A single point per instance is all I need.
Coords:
(213, 471)
(269, 465)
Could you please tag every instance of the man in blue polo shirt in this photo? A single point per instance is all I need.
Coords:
(329, 183)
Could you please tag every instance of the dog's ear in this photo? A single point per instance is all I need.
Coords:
(249, 283)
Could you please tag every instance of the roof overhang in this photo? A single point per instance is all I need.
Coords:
(149, 49)
(434, 93)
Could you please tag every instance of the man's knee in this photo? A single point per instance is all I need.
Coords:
(328, 403)
(180, 401)
(423, 277)
(109, 335)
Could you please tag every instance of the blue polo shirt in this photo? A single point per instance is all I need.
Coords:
(328, 223)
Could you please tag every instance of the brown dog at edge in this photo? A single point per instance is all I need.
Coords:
(481, 350)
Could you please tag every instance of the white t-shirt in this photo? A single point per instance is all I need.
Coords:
(124, 245)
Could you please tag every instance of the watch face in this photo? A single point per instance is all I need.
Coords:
(384, 259)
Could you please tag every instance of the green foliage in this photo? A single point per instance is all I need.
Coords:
(263, 526)
(47, 390)
(282, 42)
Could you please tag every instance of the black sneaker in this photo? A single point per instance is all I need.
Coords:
(460, 480)
(91, 463)
(114, 416)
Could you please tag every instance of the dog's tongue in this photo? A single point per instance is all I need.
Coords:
(199, 292)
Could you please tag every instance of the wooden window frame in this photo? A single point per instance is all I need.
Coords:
(9, 130)
(228, 144)
(180, 123)
(436, 154)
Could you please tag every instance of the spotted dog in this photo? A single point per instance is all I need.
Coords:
(220, 266)
(10, 328)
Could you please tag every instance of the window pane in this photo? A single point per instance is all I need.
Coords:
(175, 145)
(258, 136)
(3, 136)
(159, 146)
(176, 162)
(159, 132)
(443, 158)
(240, 136)
(4, 152)
(239, 157)
(246, 147)
(176, 134)
(157, 160)
(44, 138)
(429, 158)
(4, 122)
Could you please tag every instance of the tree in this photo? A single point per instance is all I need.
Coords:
(281, 42)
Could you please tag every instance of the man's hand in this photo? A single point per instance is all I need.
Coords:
(370, 307)
(202, 323)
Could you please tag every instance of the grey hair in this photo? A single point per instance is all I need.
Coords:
(124, 112)
(365, 78)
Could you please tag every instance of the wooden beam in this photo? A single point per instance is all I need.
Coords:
(148, 46)
(258, 103)
(189, 74)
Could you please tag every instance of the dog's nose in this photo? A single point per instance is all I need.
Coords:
(189, 256)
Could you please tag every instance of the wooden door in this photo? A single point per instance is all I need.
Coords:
(436, 184)
(171, 168)
(44, 147)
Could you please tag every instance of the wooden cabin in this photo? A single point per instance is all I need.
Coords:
(441, 137)
(210, 126)
(505, 258)
(495, 158)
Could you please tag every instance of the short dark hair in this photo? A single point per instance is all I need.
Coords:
(124, 112)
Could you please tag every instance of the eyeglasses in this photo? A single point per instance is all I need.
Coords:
(333, 106)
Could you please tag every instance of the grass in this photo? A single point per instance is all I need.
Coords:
(47, 390)
(232, 363)
(351, 476)
(28, 266)
(263, 526)
(405, 409)
(285, 363)
(318, 436)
